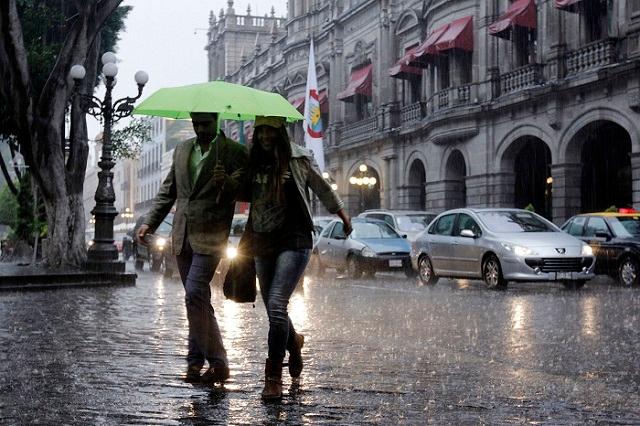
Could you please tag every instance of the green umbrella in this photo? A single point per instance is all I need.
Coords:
(231, 101)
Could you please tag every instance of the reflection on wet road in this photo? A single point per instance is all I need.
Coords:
(381, 351)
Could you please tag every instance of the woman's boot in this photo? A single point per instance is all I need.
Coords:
(294, 346)
(272, 380)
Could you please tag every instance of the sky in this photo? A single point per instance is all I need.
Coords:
(166, 39)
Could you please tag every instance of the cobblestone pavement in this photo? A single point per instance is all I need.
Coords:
(378, 351)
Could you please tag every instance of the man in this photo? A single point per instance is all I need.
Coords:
(204, 178)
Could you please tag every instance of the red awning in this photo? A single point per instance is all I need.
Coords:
(568, 5)
(402, 70)
(458, 36)
(418, 57)
(359, 84)
(521, 13)
(298, 104)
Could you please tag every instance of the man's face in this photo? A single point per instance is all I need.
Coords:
(204, 125)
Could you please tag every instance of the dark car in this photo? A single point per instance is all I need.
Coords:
(157, 252)
(372, 246)
(615, 240)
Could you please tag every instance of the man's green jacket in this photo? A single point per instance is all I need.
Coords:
(203, 214)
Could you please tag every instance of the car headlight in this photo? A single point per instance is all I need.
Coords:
(519, 251)
(161, 242)
(367, 252)
(232, 252)
(587, 250)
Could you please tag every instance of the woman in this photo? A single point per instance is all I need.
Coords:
(281, 174)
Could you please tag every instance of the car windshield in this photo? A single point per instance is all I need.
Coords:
(413, 222)
(626, 226)
(514, 221)
(368, 230)
(165, 225)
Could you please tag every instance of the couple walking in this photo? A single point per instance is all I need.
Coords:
(208, 174)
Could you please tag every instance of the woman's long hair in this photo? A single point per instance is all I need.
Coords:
(278, 158)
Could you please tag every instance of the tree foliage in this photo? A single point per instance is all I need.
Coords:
(127, 142)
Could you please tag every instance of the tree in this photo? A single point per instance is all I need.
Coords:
(34, 92)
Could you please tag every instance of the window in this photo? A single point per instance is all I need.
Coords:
(383, 217)
(363, 107)
(576, 226)
(596, 16)
(338, 231)
(524, 46)
(508, 221)
(594, 226)
(369, 230)
(327, 231)
(466, 222)
(444, 226)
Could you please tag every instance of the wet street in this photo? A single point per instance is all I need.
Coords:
(378, 351)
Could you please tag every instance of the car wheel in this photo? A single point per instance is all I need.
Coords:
(492, 274)
(425, 271)
(629, 272)
(573, 285)
(355, 270)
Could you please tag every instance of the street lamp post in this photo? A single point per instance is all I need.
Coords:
(103, 254)
(362, 181)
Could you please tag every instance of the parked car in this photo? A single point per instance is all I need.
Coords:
(498, 246)
(406, 222)
(319, 222)
(372, 246)
(615, 240)
(157, 252)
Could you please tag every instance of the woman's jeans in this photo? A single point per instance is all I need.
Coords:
(205, 341)
(279, 274)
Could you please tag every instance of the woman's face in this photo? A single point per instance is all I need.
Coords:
(267, 137)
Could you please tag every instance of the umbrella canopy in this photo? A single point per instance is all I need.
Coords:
(231, 101)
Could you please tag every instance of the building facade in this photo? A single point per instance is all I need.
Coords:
(438, 104)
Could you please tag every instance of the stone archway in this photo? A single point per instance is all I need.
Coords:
(529, 159)
(455, 181)
(416, 192)
(605, 176)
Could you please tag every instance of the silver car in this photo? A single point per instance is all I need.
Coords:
(498, 246)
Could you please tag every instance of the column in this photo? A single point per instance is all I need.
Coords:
(566, 197)
(635, 179)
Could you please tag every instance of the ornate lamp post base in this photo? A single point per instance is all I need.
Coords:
(115, 266)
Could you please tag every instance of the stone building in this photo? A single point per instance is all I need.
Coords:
(453, 103)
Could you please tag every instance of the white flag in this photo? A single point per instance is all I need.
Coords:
(312, 124)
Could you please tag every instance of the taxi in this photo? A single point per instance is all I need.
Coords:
(615, 240)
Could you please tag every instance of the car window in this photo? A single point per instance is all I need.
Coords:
(412, 223)
(509, 221)
(380, 216)
(595, 225)
(338, 230)
(626, 226)
(444, 226)
(326, 231)
(367, 230)
(466, 222)
(576, 226)
(165, 225)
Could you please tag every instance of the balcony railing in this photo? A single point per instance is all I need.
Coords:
(360, 130)
(411, 113)
(449, 98)
(521, 78)
(593, 55)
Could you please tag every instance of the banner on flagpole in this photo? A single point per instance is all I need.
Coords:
(312, 123)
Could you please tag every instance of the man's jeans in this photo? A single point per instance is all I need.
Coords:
(278, 274)
(205, 341)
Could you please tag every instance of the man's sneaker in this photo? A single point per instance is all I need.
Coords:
(215, 375)
(193, 374)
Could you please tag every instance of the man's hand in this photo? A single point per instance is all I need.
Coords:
(142, 231)
(218, 175)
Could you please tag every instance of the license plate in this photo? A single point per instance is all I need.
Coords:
(395, 263)
(563, 275)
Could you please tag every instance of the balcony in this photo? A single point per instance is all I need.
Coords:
(521, 78)
(449, 98)
(591, 56)
(359, 131)
(411, 113)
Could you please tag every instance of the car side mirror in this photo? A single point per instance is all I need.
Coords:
(604, 235)
(467, 233)
(340, 237)
(404, 236)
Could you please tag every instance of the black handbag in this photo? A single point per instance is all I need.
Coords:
(240, 281)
